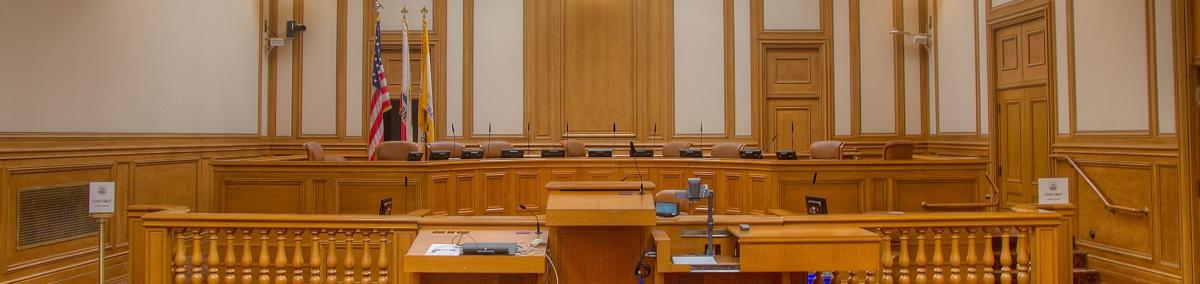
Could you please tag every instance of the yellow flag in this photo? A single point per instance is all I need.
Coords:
(426, 100)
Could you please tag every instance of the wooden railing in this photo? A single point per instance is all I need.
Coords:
(172, 246)
(271, 248)
(1096, 189)
(992, 205)
(982, 247)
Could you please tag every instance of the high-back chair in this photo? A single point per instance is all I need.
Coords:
(727, 150)
(898, 150)
(455, 148)
(671, 149)
(574, 148)
(492, 149)
(396, 150)
(826, 150)
(316, 153)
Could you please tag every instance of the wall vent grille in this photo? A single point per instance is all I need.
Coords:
(53, 214)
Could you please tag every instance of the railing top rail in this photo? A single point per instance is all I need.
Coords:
(291, 221)
(1096, 189)
(955, 219)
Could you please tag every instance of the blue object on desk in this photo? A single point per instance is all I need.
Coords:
(666, 209)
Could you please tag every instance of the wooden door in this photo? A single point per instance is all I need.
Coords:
(793, 84)
(1022, 108)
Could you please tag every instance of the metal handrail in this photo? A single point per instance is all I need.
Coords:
(994, 196)
(1107, 205)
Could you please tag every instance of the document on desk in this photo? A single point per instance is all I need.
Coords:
(694, 259)
(444, 250)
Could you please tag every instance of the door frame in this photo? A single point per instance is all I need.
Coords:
(993, 103)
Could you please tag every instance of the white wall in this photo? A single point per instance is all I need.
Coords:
(741, 69)
(319, 78)
(283, 77)
(129, 66)
(1110, 67)
(1165, 63)
(699, 66)
(1061, 76)
(454, 68)
(355, 95)
(788, 14)
(391, 19)
(912, 70)
(842, 92)
(878, 81)
(956, 44)
(498, 88)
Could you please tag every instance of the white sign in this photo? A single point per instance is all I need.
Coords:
(101, 197)
(1053, 191)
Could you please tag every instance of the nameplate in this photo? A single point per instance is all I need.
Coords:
(102, 197)
(1053, 191)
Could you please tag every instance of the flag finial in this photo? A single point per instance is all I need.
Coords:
(424, 10)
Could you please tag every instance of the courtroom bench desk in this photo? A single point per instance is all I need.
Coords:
(499, 186)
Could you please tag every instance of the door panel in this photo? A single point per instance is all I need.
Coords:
(1023, 112)
(1011, 141)
(793, 92)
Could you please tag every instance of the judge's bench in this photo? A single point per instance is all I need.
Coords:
(569, 220)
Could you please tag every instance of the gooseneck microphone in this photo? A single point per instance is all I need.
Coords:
(771, 142)
(812, 185)
(793, 135)
(537, 223)
(641, 180)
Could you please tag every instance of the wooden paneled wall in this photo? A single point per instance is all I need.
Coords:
(803, 68)
(147, 170)
(1141, 161)
(497, 187)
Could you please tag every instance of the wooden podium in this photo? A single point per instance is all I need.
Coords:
(599, 230)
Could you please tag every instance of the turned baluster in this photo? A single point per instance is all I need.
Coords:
(903, 263)
(247, 258)
(955, 258)
(1023, 263)
(885, 256)
(298, 260)
(281, 260)
(921, 262)
(197, 258)
(870, 279)
(230, 258)
(989, 258)
(365, 262)
(314, 257)
(331, 259)
(972, 261)
(214, 258)
(348, 264)
(179, 263)
(939, 276)
(1006, 261)
(382, 264)
(264, 258)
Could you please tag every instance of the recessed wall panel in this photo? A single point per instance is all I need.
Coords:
(1110, 67)
(790, 14)
(699, 66)
(319, 95)
(878, 82)
(956, 93)
(498, 60)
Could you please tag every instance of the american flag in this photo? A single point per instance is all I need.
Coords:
(380, 98)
